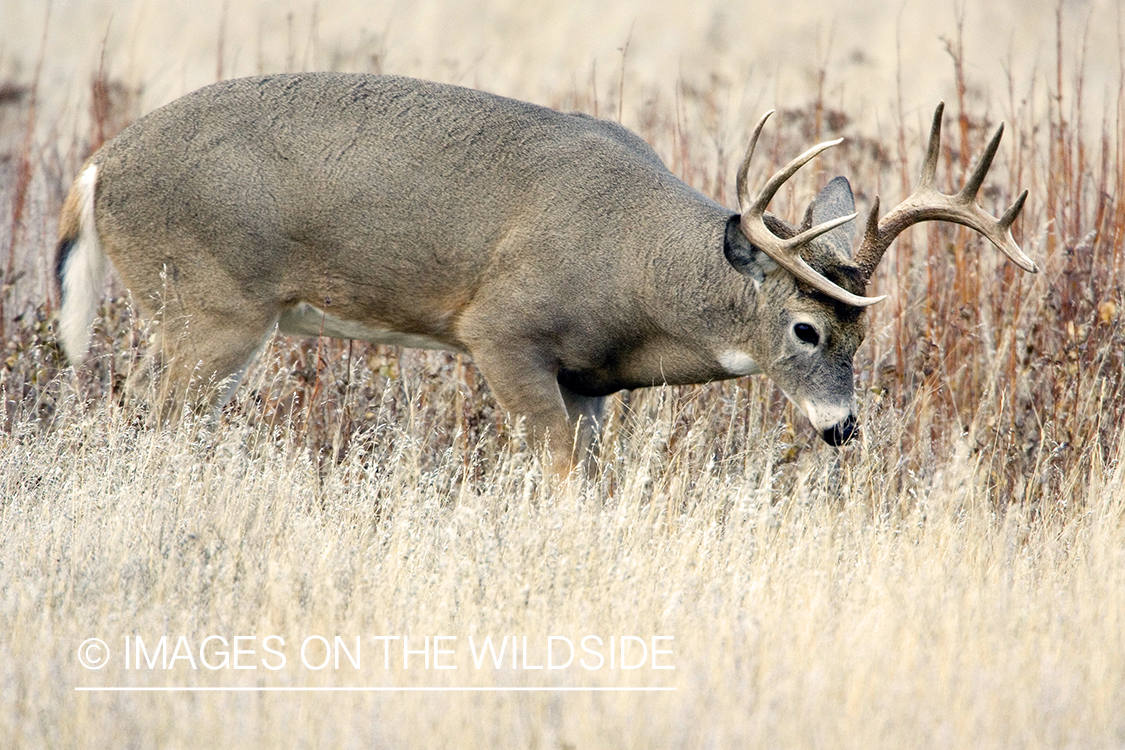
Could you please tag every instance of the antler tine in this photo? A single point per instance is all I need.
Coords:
(766, 194)
(927, 203)
(1013, 211)
(871, 235)
(787, 252)
(743, 187)
(933, 150)
(968, 193)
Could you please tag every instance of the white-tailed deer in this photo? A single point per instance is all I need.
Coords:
(556, 249)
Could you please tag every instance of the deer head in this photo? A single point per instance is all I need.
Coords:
(812, 358)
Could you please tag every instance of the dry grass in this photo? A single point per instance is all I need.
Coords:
(802, 618)
(957, 578)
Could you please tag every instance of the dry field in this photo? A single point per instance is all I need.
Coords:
(954, 578)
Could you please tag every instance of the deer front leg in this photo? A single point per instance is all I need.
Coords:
(526, 385)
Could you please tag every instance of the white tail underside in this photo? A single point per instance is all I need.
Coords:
(83, 274)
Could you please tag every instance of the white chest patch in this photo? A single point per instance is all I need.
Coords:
(738, 363)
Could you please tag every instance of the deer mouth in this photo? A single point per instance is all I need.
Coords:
(842, 432)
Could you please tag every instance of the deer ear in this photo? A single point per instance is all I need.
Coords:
(834, 201)
(742, 254)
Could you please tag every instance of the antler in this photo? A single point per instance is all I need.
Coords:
(929, 204)
(787, 252)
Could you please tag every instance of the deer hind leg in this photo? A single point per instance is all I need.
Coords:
(197, 363)
(197, 354)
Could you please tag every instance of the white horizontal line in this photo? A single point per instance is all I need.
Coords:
(373, 689)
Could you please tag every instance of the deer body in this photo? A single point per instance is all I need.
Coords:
(556, 249)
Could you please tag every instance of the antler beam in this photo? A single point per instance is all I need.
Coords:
(927, 203)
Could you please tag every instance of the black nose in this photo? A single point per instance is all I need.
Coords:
(841, 432)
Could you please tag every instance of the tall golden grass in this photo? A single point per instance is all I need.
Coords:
(954, 578)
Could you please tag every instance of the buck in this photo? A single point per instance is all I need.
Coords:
(555, 249)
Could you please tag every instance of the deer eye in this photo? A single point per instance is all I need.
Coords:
(806, 333)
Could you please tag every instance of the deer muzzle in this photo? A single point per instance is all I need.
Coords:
(841, 432)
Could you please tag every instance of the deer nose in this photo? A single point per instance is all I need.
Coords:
(841, 432)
